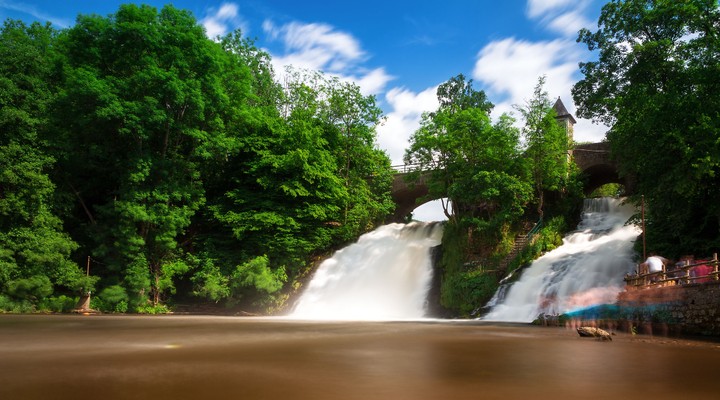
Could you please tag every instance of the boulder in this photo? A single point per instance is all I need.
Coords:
(588, 331)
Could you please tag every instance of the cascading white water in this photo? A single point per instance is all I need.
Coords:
(385, 275)
(588, 269)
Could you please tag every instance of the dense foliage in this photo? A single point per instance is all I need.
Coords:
(655, 82)
(490, 177)
(473, 162)
(178, 163)
(546, 146)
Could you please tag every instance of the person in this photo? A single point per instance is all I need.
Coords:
(700, 273)
(682, 271)
(653, 265)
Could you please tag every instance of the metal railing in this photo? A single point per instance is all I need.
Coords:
(535, 229)
(405, 168)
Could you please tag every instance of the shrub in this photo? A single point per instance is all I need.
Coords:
(32, 289)
(112, 299)
(60, 304)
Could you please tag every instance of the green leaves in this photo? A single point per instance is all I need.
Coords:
(656, 82)
(172, 158)
(34, 249)
(546, 145)
(470, 157)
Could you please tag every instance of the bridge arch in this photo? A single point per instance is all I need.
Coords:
(593, 159)
(406, 194)
(595, 162)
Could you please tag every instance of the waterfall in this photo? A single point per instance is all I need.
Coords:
(385, 275)
(588, 269)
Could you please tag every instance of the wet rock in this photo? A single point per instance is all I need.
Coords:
(588, 331)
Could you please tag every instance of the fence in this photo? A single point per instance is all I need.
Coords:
(701, 271)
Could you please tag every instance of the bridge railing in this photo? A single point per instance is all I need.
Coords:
(405, 168)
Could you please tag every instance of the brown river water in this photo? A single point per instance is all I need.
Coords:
(207, 357)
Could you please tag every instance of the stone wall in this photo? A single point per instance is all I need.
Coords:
(687, 309)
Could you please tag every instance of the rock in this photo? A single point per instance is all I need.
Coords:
(587, 331)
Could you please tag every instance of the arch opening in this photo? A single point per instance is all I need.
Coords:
(430, 211)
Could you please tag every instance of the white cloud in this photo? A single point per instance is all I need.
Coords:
(569, 23)
(316, 45)
(371, 82)
(320, 47)
(35, 13)
(566, 17)
(537, 8)
(586, 131)
(404, 118)
(430, 211)
(220, 21)
(510, 69)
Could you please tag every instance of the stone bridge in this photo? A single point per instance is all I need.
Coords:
(593, 159)
(595, 162)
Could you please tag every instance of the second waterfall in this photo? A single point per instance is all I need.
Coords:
(587, 270)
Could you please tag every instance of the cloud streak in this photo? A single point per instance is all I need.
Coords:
(403, 119)
(321, 47)
(510, 68)
(565, 17)
(35, 13)
(221, 21)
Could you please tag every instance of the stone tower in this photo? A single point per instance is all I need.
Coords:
(564, 118)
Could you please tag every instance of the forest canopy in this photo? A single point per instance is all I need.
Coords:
(175, 165)
(656, 82)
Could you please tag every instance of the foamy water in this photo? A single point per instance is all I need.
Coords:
(588, 269)
(385, 275)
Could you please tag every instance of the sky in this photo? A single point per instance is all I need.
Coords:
(397, 50)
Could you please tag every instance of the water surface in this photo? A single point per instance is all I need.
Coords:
(203, 357)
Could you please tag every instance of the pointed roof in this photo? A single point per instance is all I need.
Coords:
(562, 112)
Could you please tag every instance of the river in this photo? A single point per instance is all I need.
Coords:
(207, 357)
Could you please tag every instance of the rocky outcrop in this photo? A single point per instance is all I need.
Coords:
(589, 331)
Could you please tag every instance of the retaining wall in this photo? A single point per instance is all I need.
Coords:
(692, 309)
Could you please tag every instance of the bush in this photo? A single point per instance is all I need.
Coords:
(60, 304)
(468, 291)
(32, 289)
(153, 310)
(9, 305)
(111, 299)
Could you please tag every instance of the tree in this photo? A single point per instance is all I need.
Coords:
(176, 161)
(306, 176)
(349, 120)
(655, 82)
(546, 144)
(144, 105)
(473, 162)
(33, 245)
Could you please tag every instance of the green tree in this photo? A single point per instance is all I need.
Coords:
(34, 249)
(473, 162)
(144, 106)
(546, 144)
(296, 185)
(655, 81)
(350, 119)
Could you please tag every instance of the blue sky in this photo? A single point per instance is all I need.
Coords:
(399, 51)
